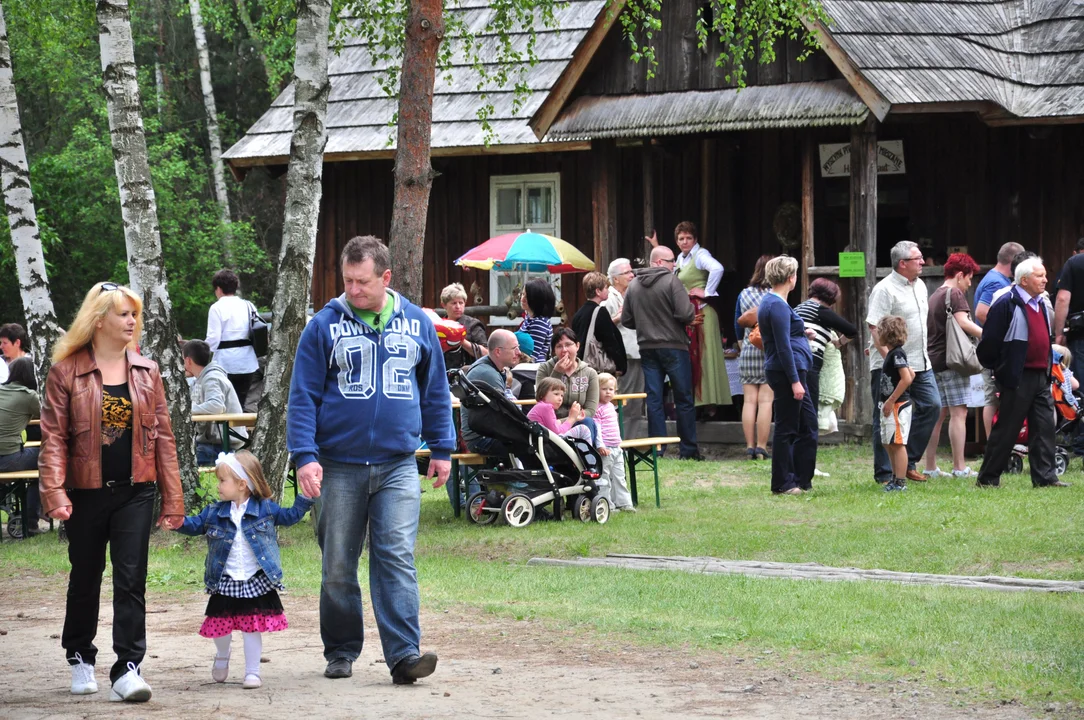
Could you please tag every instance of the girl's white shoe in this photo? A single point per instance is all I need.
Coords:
(83, 682)
(220, 670)
(252, 681)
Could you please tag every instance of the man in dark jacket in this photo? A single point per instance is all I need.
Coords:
(658, 308)
(1016, 346)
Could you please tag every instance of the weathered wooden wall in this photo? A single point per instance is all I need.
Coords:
(358, 200)
(966, 184)
(684, 66)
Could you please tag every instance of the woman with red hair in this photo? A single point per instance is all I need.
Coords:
(955, 389)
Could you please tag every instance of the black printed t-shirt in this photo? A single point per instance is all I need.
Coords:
(895, 360)
(116, 433)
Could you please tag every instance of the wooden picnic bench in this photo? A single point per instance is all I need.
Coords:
(645, 451)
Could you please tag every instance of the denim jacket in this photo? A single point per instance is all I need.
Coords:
(258, 524)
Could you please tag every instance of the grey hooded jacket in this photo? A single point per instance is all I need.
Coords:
(213, 394)
(657, 306)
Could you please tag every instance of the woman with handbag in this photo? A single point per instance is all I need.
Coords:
(601, 346)
(950, 314)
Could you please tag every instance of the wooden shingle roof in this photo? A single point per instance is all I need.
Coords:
(1021, 59)
(359, 111)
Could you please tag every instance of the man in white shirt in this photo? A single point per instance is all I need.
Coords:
(620, 274)
(904, 294)
(229, 333)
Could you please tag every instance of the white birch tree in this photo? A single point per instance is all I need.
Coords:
(303, 191)
(23, 219)
(146, 266)
(212, 120)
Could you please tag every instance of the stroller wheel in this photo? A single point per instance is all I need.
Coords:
(518, 510)
(1016, 464)
(1061, 462)
(600, 510)
(477, 512)
(15, 526)
(583, 508)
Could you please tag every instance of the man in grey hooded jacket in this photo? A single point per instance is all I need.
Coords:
(658, 308)
(212, 394)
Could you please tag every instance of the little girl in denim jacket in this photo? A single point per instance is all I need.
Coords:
(243, 572)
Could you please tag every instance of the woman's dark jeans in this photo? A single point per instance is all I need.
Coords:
(794, 445)
(121, 518)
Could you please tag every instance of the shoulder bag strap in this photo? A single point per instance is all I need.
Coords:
(591, 328)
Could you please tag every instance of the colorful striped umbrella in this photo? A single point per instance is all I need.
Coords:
(527, 251)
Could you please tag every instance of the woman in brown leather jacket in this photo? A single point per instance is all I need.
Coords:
(106, 441)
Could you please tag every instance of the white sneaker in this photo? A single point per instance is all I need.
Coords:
(220, 669)
(935, 473)
(83, 682)
(818, 473)
(965, 473)
(252, 681)
(628, 508)
(130, 687)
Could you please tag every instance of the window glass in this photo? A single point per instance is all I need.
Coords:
(509, 206)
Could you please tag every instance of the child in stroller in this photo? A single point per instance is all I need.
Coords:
(1067, 400)
(554, 470)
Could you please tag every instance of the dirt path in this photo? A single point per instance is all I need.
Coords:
(489, 668)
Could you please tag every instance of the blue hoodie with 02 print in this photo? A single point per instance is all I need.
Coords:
(359, 396)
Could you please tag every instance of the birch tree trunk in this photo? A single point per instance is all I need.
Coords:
(146, 268)
(212, 121)
(303, 191)
(23, 219)
(250, 28)
(413, 169)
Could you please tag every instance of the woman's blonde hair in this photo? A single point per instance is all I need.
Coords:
(252, 466)
(102, 299)
(780, 269)
(453, 292)
(547, 385)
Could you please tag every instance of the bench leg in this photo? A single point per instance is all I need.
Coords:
(226, 436)
(630, 457)
(23, 514)
(655, 469)
(456, 485)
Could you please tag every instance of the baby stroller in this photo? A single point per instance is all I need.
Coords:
(1064, 428)
(543, 468)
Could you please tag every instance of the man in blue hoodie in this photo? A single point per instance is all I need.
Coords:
(368, 386)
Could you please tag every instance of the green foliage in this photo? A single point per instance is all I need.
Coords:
(739, 32)
(57, 67)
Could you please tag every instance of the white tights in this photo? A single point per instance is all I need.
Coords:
(253, 643)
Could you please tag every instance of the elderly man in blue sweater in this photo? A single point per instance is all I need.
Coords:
(1016, 346)
(368, 386)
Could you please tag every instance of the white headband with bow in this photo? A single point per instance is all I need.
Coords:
(230, 460)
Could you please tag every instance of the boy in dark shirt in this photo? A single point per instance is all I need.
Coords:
(895, 404)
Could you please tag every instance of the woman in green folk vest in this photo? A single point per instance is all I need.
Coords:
(701, 273)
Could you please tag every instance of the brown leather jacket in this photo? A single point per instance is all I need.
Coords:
(71, 431)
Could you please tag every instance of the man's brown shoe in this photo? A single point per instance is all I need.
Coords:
(916, 476)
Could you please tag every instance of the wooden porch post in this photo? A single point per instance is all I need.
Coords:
(648, 177)
(604, 201)
(864, 239)
(807, 213)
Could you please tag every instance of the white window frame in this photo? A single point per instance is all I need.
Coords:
(524, 181)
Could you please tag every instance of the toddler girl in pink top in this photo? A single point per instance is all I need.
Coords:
(612, 481)
(550, 393)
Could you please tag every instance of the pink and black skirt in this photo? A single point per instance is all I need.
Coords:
(251, 605)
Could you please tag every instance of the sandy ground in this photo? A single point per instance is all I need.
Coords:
(489, 668)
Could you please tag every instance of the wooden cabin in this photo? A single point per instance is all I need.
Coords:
(959, 125)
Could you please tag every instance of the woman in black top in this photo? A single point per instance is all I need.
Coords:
(822, 320)
(596, 287)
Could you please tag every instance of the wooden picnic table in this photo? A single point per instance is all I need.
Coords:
(226, 421)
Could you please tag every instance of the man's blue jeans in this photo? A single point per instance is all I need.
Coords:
(1076, 346)
(926, 407)
(658, 364)
(385, 498)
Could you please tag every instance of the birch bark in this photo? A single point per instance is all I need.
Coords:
(413, 170)
(23, 219)
(212, 121)
(303, 192)
(146, 268)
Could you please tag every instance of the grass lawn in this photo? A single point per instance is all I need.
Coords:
(1028, 646)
